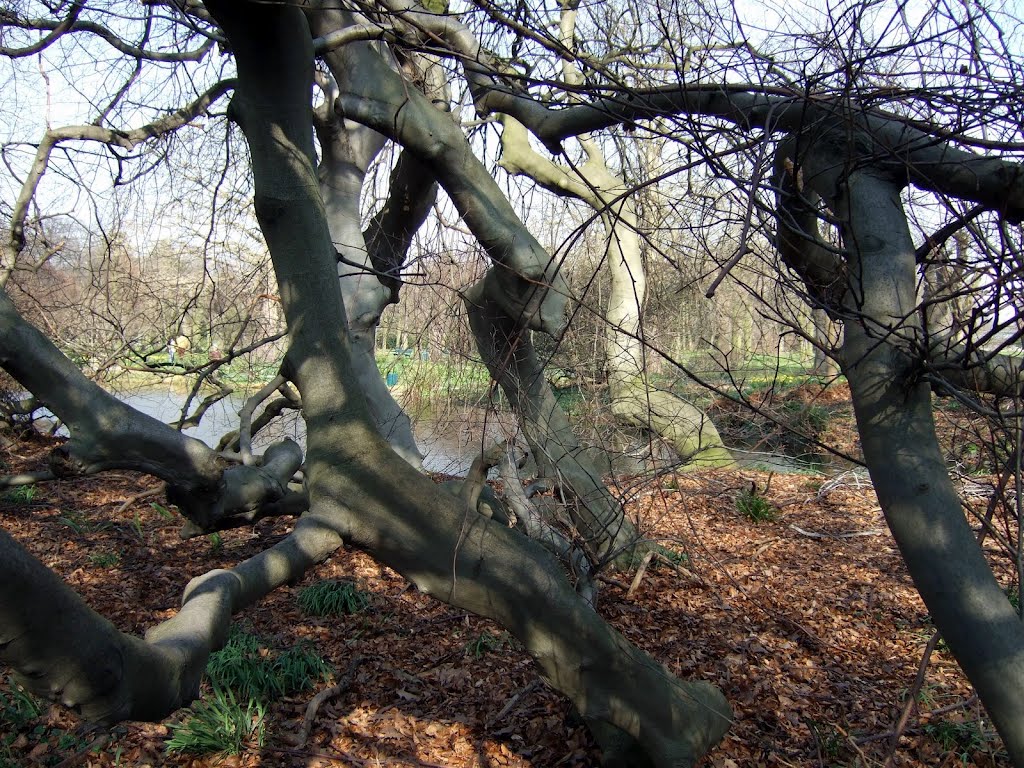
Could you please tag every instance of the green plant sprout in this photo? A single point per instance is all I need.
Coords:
(333, 598)
(219, 724)
(755, 507)
(22, 494)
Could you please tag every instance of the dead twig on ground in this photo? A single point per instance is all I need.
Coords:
(300, 738)
(825, 535)
(513, 701)
(912, 695)
(640, 574)
(148, 493)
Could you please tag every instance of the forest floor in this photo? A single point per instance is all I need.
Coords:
(808, 622)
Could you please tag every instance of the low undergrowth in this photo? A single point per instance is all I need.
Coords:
(333, 598)
(220, 724)
(814, 635)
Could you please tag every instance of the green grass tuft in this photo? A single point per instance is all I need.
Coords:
(252, 670)
(485, 643)
(1013, 594)
(755, 507)
(219, 724)
(104, 559)
(299, 667)
(21, 494)
(962, 739)
(18, 707)
(242, 666)
(333, 598)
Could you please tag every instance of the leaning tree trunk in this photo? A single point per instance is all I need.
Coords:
(107, 433)
(607, 533)
(633, 398)
(882, 357)
(61, 649)
(373, 499)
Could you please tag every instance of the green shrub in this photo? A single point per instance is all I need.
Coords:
(755, 507)
(219, 724)
(333, 598)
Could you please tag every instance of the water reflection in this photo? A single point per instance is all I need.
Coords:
(449, 441)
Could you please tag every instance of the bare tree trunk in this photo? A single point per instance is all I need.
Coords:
(361, 489)
(347, 149)
(824, 363)
(109, 434)
(633, 398)
(881, 346)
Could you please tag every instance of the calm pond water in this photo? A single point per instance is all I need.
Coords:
(449, 440)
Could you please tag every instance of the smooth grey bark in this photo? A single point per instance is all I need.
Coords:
(512, 361)
(633, 399)
(346, 151)
(63, 651)
(341, 177)
(109, 434)
(440, 146)
(411, 194)
(918, 157)
(359, 488)
(880, 356)
(105, 433)
(527, 282)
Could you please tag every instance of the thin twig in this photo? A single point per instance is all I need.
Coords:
(300, 738)
(850, 535)
(929, 715)
(511, 703)
(912, 694)
(139, 497)
(348, 758)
